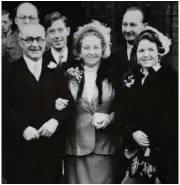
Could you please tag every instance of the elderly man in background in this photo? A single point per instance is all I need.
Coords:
(133, 23)
(25, 13)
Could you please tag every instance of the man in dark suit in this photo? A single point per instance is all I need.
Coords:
(57, 29)
(34, 129)
(132, 24)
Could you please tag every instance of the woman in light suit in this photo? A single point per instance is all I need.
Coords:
(91, 144)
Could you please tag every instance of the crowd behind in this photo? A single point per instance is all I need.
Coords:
(87, 114)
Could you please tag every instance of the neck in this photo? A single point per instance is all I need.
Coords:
(91, 68)
(59, 50)
(145, 70)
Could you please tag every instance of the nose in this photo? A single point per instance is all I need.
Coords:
(146, 53)
(26, 21)
(91, 51)
(35, 44)
(57, 35)
(128, 28)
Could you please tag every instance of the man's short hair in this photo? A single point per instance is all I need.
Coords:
(15, 9)
(4, 12)
(54, 16)
(139, 8)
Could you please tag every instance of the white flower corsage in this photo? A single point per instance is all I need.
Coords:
(129, 81)
(75, 74)
(52, 65)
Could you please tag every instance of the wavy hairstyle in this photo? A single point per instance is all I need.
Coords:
(104, 70)
(152, 36)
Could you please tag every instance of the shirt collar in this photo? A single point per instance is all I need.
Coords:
(30, 63)
(129, 46)
(156, 67)
(57, 54)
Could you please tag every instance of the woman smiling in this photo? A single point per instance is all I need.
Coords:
(91, 142)
(152, 101)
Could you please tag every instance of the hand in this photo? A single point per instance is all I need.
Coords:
(61, 104)
(48, 128)
(30, 133)
(141, 138)
(101, 120)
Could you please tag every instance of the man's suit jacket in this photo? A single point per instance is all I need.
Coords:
(83, 138)
(48, 55)
(32, 103)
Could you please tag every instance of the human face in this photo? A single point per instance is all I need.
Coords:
(132, 25)
(147, 53)
(6, 23)
(57, 34)
(91, 50)
(26, 14)
(34, 50)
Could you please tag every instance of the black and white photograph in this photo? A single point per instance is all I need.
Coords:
(89, 92)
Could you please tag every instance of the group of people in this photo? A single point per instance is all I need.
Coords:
(87, 115)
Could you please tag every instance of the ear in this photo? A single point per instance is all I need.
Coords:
(145, 24)
(20, 42)
(68, 31)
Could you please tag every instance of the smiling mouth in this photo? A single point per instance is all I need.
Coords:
(35, 49)
(57, 41)
(147, 59)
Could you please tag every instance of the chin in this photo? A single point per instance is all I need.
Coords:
(35, 57)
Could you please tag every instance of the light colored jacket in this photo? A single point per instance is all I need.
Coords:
(83, 138)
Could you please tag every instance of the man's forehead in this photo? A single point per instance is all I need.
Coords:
(59, 23)
(33, 31)
(133, 16)
(27, 9)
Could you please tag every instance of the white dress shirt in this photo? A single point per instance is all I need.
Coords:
(129, 49)
(90, 87)
(60, 56)
(34, 67)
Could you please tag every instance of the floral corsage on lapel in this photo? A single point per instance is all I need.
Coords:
(52, 65)
(75, 74)
(128, 79)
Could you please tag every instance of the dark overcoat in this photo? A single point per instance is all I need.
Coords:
(32, 103)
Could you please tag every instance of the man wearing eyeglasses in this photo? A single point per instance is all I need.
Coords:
(25, 13)
(35, 127)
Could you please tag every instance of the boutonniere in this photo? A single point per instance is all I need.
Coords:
(128, 80)
(52, 65)
(75, 74)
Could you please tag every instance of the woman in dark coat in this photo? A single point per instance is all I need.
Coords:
(150, 104)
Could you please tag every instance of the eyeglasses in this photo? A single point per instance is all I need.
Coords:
(30, 40)
(31, 18)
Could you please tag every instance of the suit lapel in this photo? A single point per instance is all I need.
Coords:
(26, 75)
